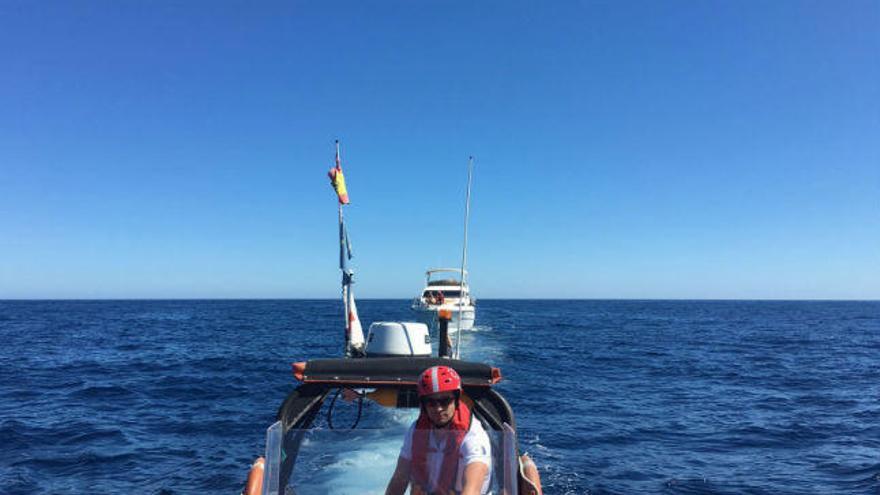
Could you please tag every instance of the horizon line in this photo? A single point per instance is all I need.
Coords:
(622, 299)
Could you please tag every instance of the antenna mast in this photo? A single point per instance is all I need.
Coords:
(467, 213)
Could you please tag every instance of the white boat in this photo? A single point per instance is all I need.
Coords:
(447, 291)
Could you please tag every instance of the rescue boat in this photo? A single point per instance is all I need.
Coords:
(376, 387)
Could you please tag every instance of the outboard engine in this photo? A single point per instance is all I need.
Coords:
(391, 338)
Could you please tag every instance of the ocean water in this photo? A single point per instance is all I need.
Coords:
(671, 397)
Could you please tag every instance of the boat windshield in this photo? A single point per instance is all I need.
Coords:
(360, 460)
(446, 293)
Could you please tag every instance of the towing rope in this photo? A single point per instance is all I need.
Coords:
(357, 420)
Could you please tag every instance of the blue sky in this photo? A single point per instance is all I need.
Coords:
(623, 149)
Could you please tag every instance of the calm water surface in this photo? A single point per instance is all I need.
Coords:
(611, 396)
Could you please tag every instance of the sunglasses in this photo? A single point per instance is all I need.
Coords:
(438, 401)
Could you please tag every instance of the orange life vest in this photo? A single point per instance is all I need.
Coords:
(457, 429)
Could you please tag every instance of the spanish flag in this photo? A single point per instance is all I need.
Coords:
(337, 180)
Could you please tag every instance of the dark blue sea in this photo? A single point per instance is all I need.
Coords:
(672, 397)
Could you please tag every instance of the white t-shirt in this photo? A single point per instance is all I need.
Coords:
(474, 448)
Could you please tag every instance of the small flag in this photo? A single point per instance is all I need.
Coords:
(337, 180)
(354, 332)
(354, 322)
(344, 248)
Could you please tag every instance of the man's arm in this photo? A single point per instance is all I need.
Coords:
(474, 475)
(400, 479)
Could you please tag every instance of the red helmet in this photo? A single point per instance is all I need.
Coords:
(438, 379)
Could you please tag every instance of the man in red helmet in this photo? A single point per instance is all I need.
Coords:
(445, 450)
